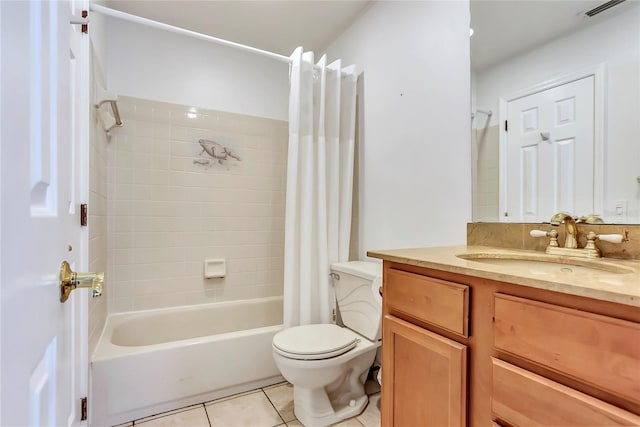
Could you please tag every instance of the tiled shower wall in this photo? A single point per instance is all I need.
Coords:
(186, 185)
(487, 182)
(97, 214)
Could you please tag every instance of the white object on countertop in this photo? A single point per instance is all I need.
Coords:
(215, 268)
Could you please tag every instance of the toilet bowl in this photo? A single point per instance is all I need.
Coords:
(328, 364)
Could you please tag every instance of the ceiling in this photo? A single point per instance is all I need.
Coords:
(502, 27)
(275, 26)
(505, 28)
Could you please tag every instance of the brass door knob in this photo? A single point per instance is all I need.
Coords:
(70, 280)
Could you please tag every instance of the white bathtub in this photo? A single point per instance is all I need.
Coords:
(157, 360)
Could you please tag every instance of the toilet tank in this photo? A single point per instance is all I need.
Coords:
(357, 296)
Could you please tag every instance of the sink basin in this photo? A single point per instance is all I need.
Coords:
(544, 264)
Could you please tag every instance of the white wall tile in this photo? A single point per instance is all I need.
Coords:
(167, 214)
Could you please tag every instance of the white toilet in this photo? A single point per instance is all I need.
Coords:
(328, 364)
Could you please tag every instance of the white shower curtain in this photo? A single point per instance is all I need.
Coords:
(322, 104)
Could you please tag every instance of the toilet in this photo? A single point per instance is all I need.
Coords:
(328, 364)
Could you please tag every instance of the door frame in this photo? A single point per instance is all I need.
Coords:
(80, 302)
(599, 75)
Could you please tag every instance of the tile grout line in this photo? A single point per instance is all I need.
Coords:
(166, 414)
(206, 413)
(274, 406)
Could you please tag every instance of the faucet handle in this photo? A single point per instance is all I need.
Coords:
(591, 242)
(611, 238)
(538, 233)
(552, 235)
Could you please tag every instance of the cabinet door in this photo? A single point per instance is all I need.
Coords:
(424, 377)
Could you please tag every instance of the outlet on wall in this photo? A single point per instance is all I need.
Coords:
(620, 212)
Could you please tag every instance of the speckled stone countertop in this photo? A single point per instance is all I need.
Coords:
(620, 285)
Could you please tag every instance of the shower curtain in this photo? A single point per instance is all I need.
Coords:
(322, 104)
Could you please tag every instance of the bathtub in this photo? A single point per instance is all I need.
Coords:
(153, 361)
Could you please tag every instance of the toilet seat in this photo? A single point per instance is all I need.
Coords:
(314, 342)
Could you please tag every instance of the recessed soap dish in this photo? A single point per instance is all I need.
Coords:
(215, 268)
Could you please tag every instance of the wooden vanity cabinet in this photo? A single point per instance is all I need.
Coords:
(459, 350)
(424, 373)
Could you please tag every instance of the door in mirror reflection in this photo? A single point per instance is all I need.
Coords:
(550, 152)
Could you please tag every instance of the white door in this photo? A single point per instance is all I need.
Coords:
(44, 102)
(550, 153)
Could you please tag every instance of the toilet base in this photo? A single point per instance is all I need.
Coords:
(333, 417)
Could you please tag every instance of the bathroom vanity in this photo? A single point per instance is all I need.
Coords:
(481, 336)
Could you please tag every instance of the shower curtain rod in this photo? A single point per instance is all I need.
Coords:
(155, 24)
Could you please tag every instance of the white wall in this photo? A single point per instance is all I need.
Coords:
(616, 43)
(415, 141)
(154, 64)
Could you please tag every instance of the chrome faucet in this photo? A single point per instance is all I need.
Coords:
(571, 230)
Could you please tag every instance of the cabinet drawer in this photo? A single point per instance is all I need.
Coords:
(441, 303)
(522, 398)
(598, 350)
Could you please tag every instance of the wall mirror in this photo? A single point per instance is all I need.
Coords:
(555, 109)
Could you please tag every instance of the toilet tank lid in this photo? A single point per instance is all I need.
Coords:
(365, 269)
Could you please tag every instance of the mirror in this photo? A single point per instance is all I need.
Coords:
(521, 50)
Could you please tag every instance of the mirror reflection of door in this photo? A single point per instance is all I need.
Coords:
(550, 153)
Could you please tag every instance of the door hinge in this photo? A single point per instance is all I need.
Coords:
(84, 21)
(83, 215)
(83, 409)
(506, 126)
(85, 27)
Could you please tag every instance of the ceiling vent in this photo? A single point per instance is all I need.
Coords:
(602, 7)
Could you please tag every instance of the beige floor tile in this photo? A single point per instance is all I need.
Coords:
(233, 396)
(251, 410)
(275, 385)
(371, 415)
(164, 414)
(129, 424)
(282, 398)
(349, 422)
(193, 418)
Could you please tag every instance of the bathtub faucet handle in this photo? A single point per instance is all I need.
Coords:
(70, 280)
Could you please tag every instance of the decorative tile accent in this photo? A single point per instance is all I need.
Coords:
(252, 410)
(213, 153)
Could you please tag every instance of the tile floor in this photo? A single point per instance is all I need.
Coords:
(267, 407)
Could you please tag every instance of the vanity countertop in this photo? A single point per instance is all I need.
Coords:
(622, 288)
